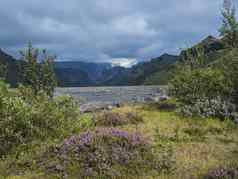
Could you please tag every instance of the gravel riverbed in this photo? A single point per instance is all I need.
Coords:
(105, 96)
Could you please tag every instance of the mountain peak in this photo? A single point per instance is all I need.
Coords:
(211, 43)
(210, 39)
(165, 55)
(4, 57)
(1, 51)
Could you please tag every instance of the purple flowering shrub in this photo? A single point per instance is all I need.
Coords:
(223, 173)
(106, 152)
(117, 119)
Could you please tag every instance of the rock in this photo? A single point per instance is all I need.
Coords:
(163, 98)
(110, 107)
(156, 99)
(149, 99)
(97, 106)
(92, 107)
(59, 167)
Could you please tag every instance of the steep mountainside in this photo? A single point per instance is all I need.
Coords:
(140, 73)
(79, 73)
(12, 75)
(212, 47)
(115, 76)
(154, 72)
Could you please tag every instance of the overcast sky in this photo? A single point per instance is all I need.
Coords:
(107, 30)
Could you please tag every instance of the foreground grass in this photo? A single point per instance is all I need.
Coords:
(198, 144)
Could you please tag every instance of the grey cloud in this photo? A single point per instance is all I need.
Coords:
(103, 30)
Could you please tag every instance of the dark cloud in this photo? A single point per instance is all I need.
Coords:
(106, 30)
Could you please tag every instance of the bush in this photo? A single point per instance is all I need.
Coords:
(204, 108)
(24, 118)
(229, 64)
(190, 86)
(117, 119)
(205, 92)
(37, 70)
(108, 153)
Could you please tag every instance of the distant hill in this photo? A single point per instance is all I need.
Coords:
(116, 76)
(12, 68)
(157, 71)
(76, 73)
(140, 73)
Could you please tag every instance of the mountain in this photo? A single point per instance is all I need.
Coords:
(211, 44)
(116, 76)
(140, 73)
(12, 76)
(76, 73)
(164, 66)
(157, 71)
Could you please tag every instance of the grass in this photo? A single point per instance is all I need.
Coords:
(198, 144)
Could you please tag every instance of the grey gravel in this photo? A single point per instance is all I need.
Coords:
(97, 98)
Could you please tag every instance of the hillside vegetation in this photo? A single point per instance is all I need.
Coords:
(190, 134)
(185, 147)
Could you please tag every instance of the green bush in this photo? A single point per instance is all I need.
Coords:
(229, 64)
(24, 118)
(205, 92)
(206, 83)
(37, 70)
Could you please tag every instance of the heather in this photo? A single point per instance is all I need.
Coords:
(164, 145)
(108, 118)
(107, 152)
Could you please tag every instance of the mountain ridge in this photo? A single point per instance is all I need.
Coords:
(157, 71)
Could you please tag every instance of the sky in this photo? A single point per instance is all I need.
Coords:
(117, 31)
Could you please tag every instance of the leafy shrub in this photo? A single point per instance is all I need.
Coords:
(190, 86)
(37, 70)
(217, 108)
(106, 152)
(117, 119)
(229, 64)
(24, 118)
(205, 92)
(222, 173)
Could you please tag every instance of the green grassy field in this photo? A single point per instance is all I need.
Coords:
(199, 145)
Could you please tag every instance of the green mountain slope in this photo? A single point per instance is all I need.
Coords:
(155, 72)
